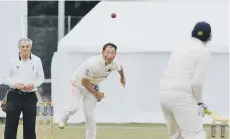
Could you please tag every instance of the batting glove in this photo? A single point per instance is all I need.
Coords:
(202, 109)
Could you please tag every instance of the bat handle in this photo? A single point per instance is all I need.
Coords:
(207, 111)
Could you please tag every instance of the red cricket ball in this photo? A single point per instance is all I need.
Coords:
(113, 15)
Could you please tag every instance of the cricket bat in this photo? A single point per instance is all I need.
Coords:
(217, 117)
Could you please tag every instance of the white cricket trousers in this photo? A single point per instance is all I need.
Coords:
(89, 107)
(182, 116)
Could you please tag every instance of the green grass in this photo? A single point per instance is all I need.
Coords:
(114, 131)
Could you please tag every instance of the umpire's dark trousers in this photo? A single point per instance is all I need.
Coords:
(17, 102)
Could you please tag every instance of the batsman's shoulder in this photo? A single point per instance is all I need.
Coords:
(205, 56)
(207, 53)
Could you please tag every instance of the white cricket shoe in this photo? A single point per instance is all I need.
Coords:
(62, 123)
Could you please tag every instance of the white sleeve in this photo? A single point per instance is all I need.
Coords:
(7, 74)
(199, 77)
(40, 73)
(88, 72)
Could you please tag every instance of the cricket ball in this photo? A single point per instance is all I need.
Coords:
(113, 15)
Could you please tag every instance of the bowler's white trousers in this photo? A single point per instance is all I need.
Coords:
(89, 107)
(182, 115)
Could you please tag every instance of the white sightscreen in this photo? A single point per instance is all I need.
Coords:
(139, 101)
(13, 25)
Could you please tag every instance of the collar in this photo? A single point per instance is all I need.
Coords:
(198, 41)
(21, 58)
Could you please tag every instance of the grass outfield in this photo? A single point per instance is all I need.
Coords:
(112, 131)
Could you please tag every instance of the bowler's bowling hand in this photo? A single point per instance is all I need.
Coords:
(122, 80)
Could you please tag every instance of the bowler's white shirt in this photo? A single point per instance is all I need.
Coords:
(95, 70)
(187, 68)
(25, 72)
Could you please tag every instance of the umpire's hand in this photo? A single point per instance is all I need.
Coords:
(29, 87)
(122, 80)
(19, 86)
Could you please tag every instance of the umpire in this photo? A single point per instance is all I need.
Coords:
(24, 74)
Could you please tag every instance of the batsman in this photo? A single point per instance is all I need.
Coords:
(181, 87)
(85, 83)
